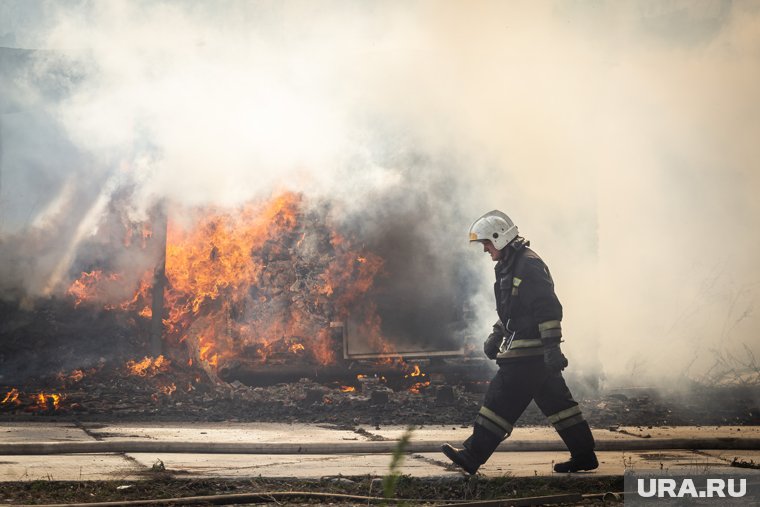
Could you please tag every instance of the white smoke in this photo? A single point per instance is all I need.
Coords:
(620, 137)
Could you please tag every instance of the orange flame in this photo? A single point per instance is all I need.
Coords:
(416, 388)
(233, 285)
(415, 373)
(11, 397)
(91, 287)
(264, 278)
(46, 401)
(347, 389)
(108, 290)
(148, 366)
(169, 389)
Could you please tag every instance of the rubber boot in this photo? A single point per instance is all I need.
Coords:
(580, 442)
(461, 458)
(578, 463)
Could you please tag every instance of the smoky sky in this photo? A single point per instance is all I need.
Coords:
(619, 136)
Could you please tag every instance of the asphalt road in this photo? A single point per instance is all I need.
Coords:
(95, 451)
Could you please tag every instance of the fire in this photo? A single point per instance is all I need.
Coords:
(109, 290)
(11, 397)
(347, 389)
(169, 389)
(46, 401)
(142, 294)
(419, 386)
(74, 376)
(92, 287)
(415, 373)
(148, 366)
(262, 281)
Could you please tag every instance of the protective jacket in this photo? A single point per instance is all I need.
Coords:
(529, 323)
(530, 313)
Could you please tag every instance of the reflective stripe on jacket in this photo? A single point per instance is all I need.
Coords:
(526, 304)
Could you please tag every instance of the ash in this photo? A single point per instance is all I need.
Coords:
(110, 392)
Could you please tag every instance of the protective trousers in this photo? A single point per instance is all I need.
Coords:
(511, 390)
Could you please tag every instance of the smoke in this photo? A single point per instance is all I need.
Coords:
(620, 137)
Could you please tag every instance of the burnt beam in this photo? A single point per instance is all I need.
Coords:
(159, 282)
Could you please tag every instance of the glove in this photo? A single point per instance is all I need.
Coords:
(492, 344)
(554, 359)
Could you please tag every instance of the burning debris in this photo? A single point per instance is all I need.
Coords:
(148, 366)
(268, 286)
(263, 284)
(11, 397)
(33, 402)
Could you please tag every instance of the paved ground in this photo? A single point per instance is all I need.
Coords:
(259, 436)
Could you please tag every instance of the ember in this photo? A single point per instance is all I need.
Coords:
(46, 402)
(148, 366)
(415, 373)
(169, 389)
(416, 388)
(11, 397)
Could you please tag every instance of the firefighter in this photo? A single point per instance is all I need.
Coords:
(525, 343)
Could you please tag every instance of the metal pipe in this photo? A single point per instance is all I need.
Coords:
(380, 447)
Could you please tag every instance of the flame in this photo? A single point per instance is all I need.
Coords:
(141, 296)
(169, 389)
(91, 287)
(11, 397)
(148, 366)
(46, 402)
(419, 386)
(248, 280)
(267, 278)
(347, 389)
(107, 289)
(415, 373)
(147, 233)
(74, 377)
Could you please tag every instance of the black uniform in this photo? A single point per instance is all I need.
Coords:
(529, 321)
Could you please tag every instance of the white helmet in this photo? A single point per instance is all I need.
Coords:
(494, 226)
